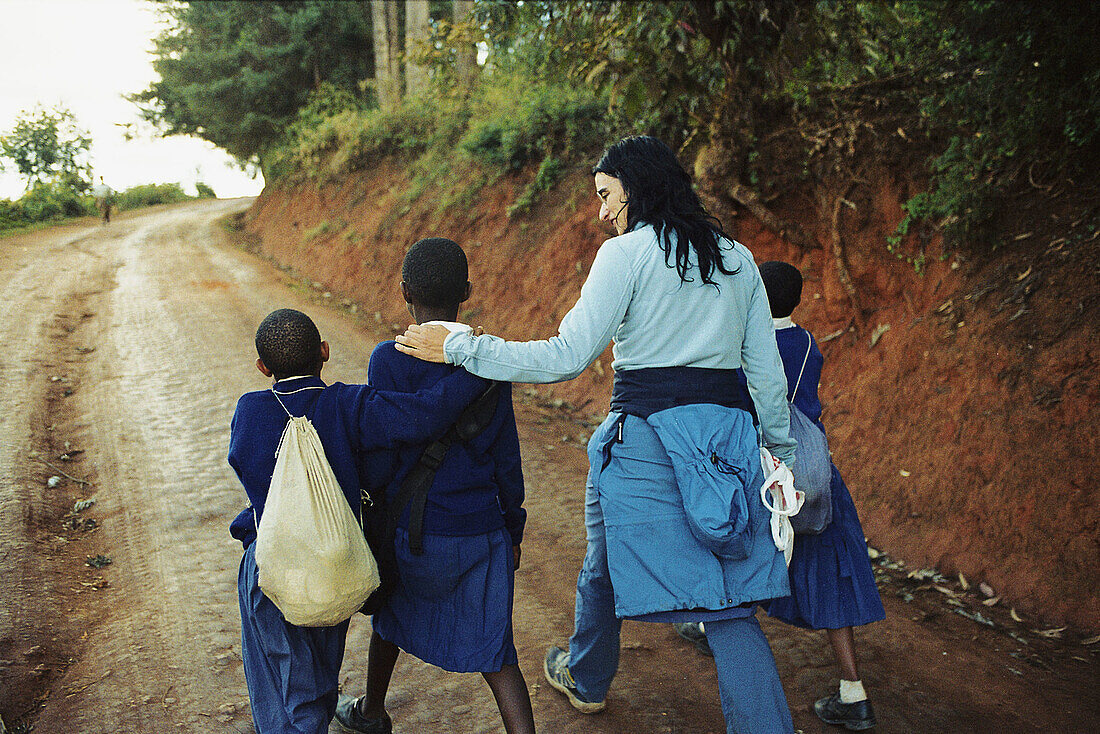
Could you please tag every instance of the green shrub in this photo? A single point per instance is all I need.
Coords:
(150, 195)
(50, 201)
(12, 215)
(507, 122)
(516, 121)
(352, 140)
(550, 171)
(319, 231)
(204, 191)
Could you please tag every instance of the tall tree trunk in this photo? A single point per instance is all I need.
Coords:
(387, 52)
(466, 56)
(418, 28)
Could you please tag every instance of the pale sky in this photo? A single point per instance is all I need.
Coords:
(85, 55)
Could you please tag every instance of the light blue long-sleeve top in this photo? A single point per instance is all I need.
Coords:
(635, 298)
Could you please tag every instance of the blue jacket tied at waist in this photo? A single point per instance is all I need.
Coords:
(706, 545)
(714, 458)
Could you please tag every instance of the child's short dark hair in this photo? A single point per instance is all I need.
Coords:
(783, 283)
(288, 343)
(435, 272)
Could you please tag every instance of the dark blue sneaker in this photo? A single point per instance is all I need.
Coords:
(852, 716)
(348, 718)
(556, 669)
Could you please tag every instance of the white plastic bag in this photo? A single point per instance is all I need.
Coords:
(312, 557)
(785, 502)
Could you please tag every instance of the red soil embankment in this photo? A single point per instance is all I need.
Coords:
(967, 433)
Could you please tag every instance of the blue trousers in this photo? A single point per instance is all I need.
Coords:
(752, 697)
(292, 672)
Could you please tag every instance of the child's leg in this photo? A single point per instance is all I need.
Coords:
(292, 672)
(381, 658)
(513, 699)
(844, 647)
(848, 707)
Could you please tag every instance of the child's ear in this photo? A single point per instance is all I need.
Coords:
(263, 368)
(324, 352)
(466, 293)
(405, 292)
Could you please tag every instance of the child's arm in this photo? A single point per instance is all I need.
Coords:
(241, 447)
(385, 419)
(380, 374)
(377, 467)
(509, 470)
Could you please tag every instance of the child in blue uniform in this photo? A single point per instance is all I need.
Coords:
(292, 671)
(832, 584)
(453, 605)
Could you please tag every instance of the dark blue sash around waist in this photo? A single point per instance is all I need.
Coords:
(645, 391)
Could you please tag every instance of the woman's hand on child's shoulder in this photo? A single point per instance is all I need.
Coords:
(423, 341)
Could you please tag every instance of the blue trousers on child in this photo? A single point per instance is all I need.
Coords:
(292, 672)
(752, 696)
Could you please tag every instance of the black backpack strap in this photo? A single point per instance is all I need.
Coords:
(414, 489)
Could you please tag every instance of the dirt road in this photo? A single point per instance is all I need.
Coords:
(125, 348)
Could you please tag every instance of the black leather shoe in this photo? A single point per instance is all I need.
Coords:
(348, 719)
(852, 716)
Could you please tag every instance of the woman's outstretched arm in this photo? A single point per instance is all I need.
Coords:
(582, 336)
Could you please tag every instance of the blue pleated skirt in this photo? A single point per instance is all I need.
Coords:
(453, 606)
(832, 584)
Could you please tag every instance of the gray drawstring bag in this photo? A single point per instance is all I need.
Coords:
(813, 471)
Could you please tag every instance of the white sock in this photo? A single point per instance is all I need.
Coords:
(851, 691)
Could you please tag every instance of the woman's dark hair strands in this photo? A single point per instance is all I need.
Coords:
(659, 193)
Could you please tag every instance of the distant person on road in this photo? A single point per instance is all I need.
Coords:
(832, 584)
(292, 672)
(453, 603)
(668, 290)
(104, 200)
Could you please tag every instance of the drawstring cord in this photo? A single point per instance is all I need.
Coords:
(255, 520)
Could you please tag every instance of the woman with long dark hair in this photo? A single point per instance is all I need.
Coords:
(675, 524)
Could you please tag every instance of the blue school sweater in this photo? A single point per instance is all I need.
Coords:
(479, 486)
(350, 419)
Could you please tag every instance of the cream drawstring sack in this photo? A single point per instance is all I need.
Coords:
(311, 554)
(785, 501)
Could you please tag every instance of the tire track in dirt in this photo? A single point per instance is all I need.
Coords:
(43, 316)
(171, 637)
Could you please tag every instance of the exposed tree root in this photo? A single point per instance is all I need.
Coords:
(840, 258)
(789, 231)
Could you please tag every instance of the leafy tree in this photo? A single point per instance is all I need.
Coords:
(689, 71)
(47, 145)
(771, 94)
(1015, 96)
(236, 73)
